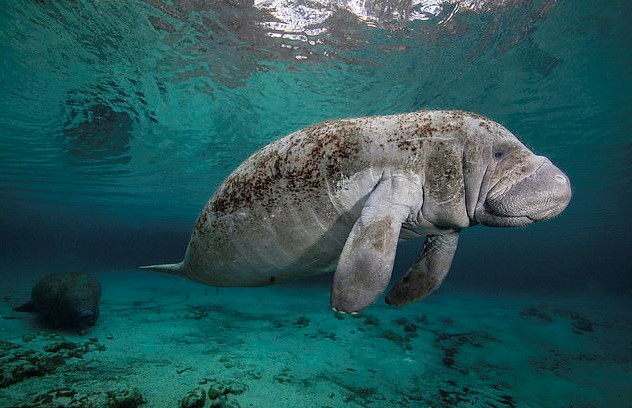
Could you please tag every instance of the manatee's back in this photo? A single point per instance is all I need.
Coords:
(278, 216)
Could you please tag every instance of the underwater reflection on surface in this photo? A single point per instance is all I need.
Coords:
(98, 133)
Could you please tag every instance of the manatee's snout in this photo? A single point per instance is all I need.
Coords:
(543, 195)
(87, 317)
(540, 196)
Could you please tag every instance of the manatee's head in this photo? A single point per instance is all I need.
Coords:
(86, 317)
(79, 302)
(519, 187)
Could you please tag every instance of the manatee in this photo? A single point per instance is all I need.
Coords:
(341, 194)
(65, 300)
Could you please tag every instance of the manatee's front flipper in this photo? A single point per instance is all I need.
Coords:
(366, 261)
(27, 307)
(428, 272)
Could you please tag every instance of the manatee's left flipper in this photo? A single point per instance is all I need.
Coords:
(28, 307)
(366, 262)
(428, 272)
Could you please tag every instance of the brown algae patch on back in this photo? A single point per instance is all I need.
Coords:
(291, 170)
(444, 173)
(295, 169)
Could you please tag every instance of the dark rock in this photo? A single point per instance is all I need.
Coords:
(19, 363)
(195, 398)
(7, 346)
(236, 387)
(219, 389)
(284, 377)
(63, 397)
(216, 390)
(68, 398)
(63, 345)
(125, 398)
(18, 371)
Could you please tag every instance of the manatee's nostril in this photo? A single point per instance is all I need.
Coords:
(561, 179)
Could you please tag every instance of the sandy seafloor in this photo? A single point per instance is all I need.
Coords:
(281, 346)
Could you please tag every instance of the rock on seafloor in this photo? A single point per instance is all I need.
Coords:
(196, 398)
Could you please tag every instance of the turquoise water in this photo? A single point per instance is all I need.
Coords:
(119, 119)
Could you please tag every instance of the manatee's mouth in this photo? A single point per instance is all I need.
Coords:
(545, 214)
(487, 215)
(540, 196)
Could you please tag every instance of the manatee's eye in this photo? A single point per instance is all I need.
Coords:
(498, 154)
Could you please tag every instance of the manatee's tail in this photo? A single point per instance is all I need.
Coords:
(27, 307)
(173, 269)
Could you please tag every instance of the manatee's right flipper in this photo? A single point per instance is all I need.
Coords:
(28, 307)
(428, 272)
(366, 262)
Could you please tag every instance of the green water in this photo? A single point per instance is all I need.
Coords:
(119, 119)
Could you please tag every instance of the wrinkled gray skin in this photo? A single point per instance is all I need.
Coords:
(66, 300)
(339, 195)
